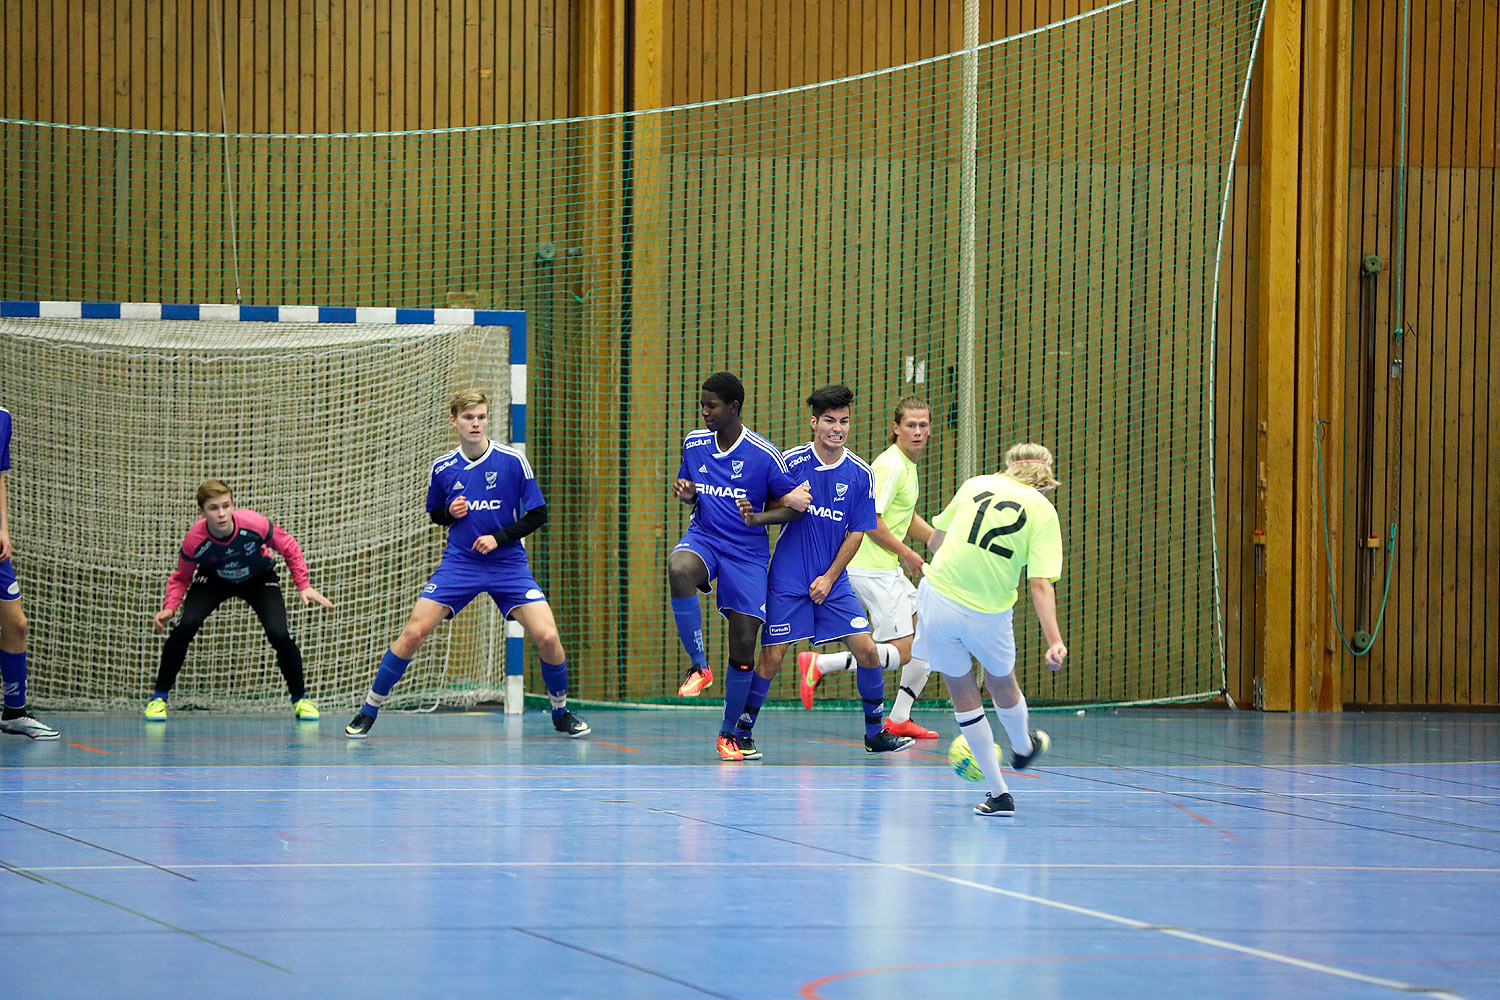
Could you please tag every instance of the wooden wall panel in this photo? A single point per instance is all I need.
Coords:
(336, 65)
(1434, 451)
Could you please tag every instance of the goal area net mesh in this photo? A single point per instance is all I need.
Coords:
(1034, 254)
(326, 429)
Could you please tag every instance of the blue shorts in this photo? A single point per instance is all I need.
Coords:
(741, 582)
(455, 584)
(793, 617)
(10, 590)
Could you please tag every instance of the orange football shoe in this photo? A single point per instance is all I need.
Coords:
(729, 749)
(695, 683)
(808, 677)
(910, 728)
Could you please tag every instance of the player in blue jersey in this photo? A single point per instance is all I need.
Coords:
(488, 497)
(810, 596)
(14, 717)
(721, 465)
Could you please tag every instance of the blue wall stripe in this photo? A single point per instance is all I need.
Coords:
(101, 310)
(178, 312)
(517, 423)
(422, 316)
(20, 309)
(260, 314)
(335, 314)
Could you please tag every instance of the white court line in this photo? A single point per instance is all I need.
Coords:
(1212, 942)
(1034, 866)
(721, 790)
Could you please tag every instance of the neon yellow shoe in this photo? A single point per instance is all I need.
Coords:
(156, 710)
(305, 710)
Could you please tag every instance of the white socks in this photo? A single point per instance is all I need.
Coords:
(913, 679)
(1015, 720)
(976, 729)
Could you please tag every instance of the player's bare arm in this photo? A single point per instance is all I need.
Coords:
(773, 514)
(1044, 599)
(919, 530)
(4, 522)
(911, 560)
(798, 499)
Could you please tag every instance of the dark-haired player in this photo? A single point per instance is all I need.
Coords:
(722, 464)
(810, 596)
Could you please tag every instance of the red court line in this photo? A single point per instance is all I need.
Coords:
(597, 743)
(910, 753)
(89, 749)
(809, 991)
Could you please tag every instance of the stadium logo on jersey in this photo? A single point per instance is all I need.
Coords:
(732, 492)
(698, 442)
(489, 480)
(840, 490)
(444, 465)
(828, 512)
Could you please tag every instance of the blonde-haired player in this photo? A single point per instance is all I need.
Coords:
(876, 571)
(994, 527)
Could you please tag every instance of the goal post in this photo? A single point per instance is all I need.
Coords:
(326, 420)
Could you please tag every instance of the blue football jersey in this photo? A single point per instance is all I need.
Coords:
(843, 500)
(751, 469)
(4, 439)
(500, 488)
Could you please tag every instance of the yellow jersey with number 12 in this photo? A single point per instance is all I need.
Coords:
(996, 528)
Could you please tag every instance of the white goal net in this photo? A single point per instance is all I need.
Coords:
(328, 429)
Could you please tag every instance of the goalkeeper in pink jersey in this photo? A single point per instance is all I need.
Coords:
(224, 555)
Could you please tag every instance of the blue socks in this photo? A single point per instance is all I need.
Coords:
(737, 683)
(391, 669)
(871, 683)
(759, 688)
(689, 618)
(555, 680)
(13, 672)
(159, 693)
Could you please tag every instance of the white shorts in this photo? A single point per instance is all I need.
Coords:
(948, 633)
(889, 599)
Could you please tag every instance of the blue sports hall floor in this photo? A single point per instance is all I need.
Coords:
(1154, 854)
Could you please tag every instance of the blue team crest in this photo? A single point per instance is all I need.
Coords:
(738, 467)
(250, 546)
(839, 490)
(489, 480)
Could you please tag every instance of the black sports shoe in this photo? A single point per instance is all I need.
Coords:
(1040, 744)
(747, 747)
(996, 805)
(886, 741)
(359, 728)
(570, 725)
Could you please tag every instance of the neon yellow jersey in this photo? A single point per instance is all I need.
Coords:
(996, 528)
(896, 495)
